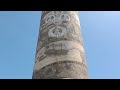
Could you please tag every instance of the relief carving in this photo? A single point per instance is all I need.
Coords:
(60, 35)
(58, 25)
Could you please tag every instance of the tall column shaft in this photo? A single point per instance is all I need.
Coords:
(60, 53)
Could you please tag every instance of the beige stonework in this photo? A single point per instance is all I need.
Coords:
(60, 53)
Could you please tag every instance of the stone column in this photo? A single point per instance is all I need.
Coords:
(60, 53)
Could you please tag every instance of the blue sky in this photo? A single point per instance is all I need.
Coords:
(18, 40)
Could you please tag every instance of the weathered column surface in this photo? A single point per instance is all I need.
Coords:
(60, 53)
